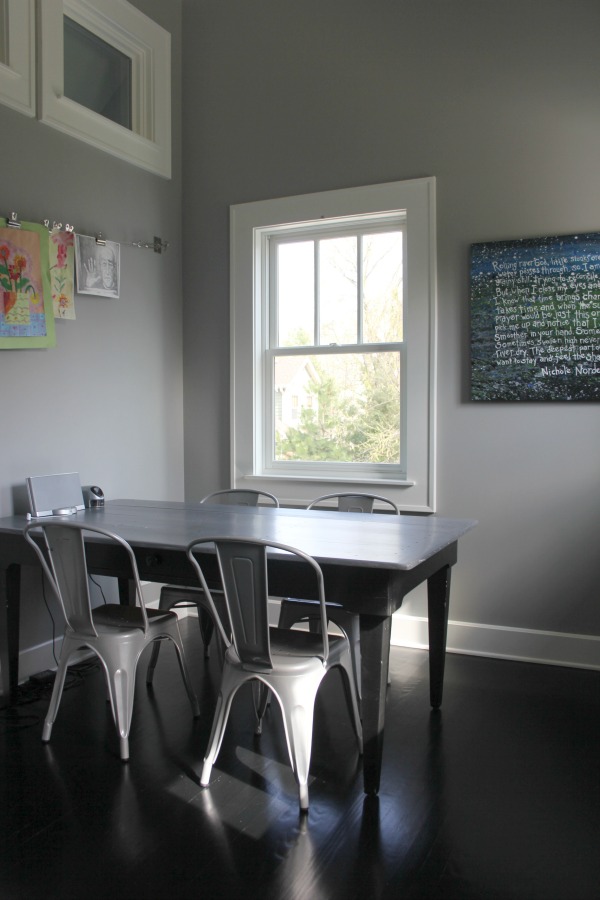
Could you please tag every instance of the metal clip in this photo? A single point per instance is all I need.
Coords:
(159, 245)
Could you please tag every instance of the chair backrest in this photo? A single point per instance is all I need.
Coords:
(350, 502)
(241, 497)
(64, 563)
(244, 579)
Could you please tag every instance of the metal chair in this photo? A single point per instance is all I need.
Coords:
(295, 610)
(172, 596)
(116, 633)
(290, 664)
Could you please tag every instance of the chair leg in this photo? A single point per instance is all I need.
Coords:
(152, 663)
(207, 628)
(164, 603)
(121, 686)
(353, 636)
(297, 703)
(120, 675)
(260, 697)
(347, 666)
(59, 682)
(229, 686)
(186, 676)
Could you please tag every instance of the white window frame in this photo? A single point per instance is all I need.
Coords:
(415, 200)
(17, 76)
(270, 238)
(148, 46)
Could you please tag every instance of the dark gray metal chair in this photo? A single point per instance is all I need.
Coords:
(117, 634)
(295, 610)
(172, 596)
(290, 664)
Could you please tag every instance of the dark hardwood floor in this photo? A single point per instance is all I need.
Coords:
(497, 796)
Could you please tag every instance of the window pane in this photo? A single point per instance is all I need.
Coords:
(97, 75)
(295, 294)
(382, 287)
(338, 291)
(337, 408)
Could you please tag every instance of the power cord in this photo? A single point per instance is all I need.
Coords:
(51, 617)
(39, 688)
(99, 586)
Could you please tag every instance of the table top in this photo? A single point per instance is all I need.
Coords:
(372, 541)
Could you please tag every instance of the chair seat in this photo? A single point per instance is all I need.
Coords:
(290, 648)
(113, 614)
(293, 611)
(285, 642)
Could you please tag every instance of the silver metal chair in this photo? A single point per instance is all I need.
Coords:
(117, 634)
(294, 610)
(290, 664)
(172, 596)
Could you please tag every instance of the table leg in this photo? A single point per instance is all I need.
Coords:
(374, 648)
(10, 597)
(126, 591)
(438, 599)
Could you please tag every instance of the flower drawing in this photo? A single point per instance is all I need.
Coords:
(12, 274)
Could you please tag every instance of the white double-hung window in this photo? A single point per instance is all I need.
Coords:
(333, 343)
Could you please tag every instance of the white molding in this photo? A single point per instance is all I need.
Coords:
(148, 45)
(248, 223)
(501, 642)
(39, 658)
(579, 651)
(17, 77)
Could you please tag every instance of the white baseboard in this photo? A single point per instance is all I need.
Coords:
(500, 642)
(553, 648)
(41, 657)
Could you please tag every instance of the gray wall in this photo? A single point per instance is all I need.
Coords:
(499, 101)
(107, 400)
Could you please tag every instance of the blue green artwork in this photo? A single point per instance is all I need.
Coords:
(535, 319)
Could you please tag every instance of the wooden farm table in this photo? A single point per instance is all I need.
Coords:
(369, 563)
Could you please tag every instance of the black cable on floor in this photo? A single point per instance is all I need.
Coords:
(13, 717)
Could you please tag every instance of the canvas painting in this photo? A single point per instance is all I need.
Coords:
(535, 319)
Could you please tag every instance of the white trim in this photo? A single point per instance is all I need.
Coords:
(503, 642)
(17, 77)
(39, 658)
(147, 44)
(415, 492)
